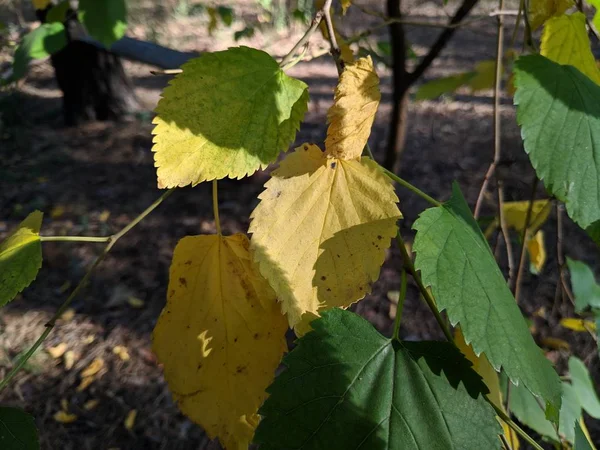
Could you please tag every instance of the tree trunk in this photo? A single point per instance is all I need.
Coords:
(400, 84)
(92, 79)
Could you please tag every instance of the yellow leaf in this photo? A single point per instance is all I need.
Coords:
(130, 419)
(40, 4)
(135, 302)
(85, 383)
(121, 352)
(68, 315)
(220, 337)
(318, 236)
(542, 10)
(69, 359)
(515, 214)
(575, 324)
(555, 343)
(57, 351)
(89, 339)
(345, 5)
(353, 111)
(104, 215)
(482, 366)
(537, 251)
(65, 417)
(91, 404)
(565, 41)
(93, 368)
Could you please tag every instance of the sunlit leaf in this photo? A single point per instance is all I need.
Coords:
(434, 88)
(596, 18)
(105, 20)
(565, 41)
(93, 368)
(558, 109)
(515, 214)
(585, 288)
(353, 111)
(220, 337)
(317, 234)
(228, 114)
(542, 10)
(456, 261)
(17, 430)
(20, 257)
(58, 350)
(584, 387)
(575, 324)
(346, 386)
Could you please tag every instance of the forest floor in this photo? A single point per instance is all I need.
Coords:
(93, 179)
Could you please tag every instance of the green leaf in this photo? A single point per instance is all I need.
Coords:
(434, 88)
(20, 257)
(42, 42)
(570, 412)
(58, 13)
(456, 261)
(558, 109)
(584, 387)
(346, 386)
(585, 288)
(105, 20)
(525, 407)
(226, 15)
(247, 32)
(596, 18)
(228, 114)
(581, 440)
(593, 231)
(17, 430)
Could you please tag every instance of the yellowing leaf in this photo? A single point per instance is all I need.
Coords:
(227, 114)
(575, 324)
(69, 358)
(57, 351)
(482, 366)
(483, 76)
(121, 352)
(130, 419)
(542, 10)
(353, 111)
(91, 404)
(93, 368)
(345, 5)
(565, 41)
(515, 214)
(89, 339)
(345, 51)
(318, 235)
(85, 383)
(64, 417)
(555, 343)
(537, 251)
(220, 337)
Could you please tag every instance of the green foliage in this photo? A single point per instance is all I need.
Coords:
(105, 20)
(456, 261)
(584, 387)
(20, 257)
(581, 440)
(40, 43)
(585, 288)
(206, 130)
(17, 430)
(382, 393)
(58, 13)
(561, 132)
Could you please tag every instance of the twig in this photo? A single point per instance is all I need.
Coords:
(52, 322)
(524, 238)
(307, 35)
(497, 118)
(215, 198)
(505, 234)
(335, 48)
(559, 252)
(75, 239)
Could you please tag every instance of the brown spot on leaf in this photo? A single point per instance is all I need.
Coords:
(188, 263)
(333, 164)
(379, 237)
(240, 369)
(182, 282)
(323, 278)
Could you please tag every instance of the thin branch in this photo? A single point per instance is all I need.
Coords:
(559, 252)
(410, 187)
(75, 239)
(524, 238)
(497, 118)
(505, 234)
(52, 322)
(215, 198)
(335, 48)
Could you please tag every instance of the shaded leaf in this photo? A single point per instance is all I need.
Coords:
(346, 386)
(542, 10)
(558, 109)
(228, 114)
(456, 261)
(17, 430)
(40, 43)
(584, 387)
(20, 257)
(565, 41)
(129, 421)
(582, 439)
(220, 336)
(583, 282)
(515, 214)
(434, 88)
(328, 252)
(105, 20)
(353, 111)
